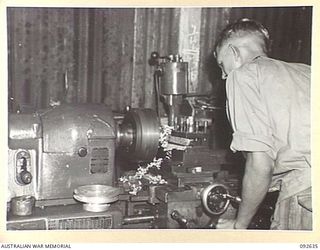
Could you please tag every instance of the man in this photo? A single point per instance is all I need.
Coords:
(268, 106)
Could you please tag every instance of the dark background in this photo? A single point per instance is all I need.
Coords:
(76, 55)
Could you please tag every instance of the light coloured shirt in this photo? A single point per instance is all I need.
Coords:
(268, 106)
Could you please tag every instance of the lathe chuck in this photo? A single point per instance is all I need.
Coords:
(138, 135)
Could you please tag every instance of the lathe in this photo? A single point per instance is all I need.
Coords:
(82, 166)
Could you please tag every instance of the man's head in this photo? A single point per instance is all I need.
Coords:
(239, 43)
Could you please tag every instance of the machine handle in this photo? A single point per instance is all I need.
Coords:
(216, 198)
(236, 199)
(182, 221)
(26, 177)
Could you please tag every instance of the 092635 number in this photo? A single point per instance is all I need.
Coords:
(308, 246)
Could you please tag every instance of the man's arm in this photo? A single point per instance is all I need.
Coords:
(255, 185)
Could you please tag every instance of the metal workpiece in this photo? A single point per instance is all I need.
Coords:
(96, 198)
(138, 137)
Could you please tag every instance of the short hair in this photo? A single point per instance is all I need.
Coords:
(244, 27)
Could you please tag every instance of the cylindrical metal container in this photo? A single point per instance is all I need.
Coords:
(174, 80)
(96, 198)
(22, 205)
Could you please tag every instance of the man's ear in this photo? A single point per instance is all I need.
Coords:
(235, 51)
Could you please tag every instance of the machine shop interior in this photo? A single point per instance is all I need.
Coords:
(117, 117)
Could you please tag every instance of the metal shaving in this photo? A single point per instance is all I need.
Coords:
(165, 132)
(134, 183)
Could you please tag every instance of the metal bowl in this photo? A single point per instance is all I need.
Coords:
(96, 194)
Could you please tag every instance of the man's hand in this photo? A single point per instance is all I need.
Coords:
(225, 224)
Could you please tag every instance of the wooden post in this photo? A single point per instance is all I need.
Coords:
(189, 43)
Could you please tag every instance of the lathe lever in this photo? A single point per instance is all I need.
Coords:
(182, 221)
(236, 199)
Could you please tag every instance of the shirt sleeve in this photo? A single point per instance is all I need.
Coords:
(247, 112)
